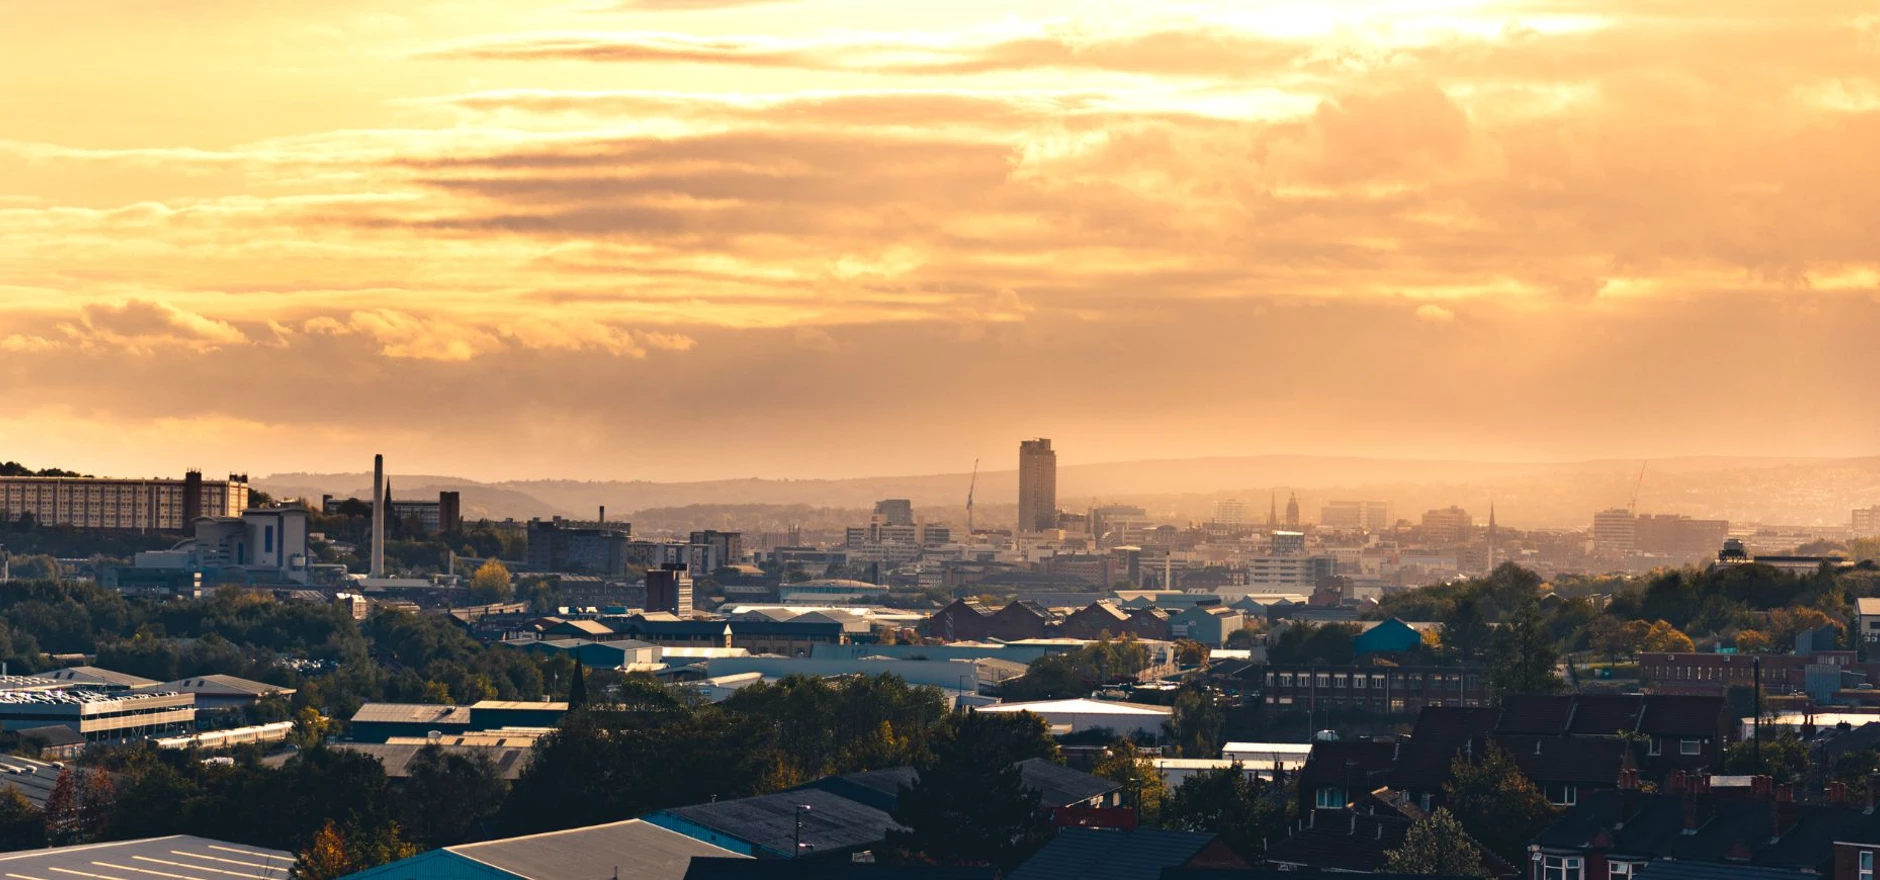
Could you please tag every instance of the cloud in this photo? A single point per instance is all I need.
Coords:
(1435, 314)
(142, 324)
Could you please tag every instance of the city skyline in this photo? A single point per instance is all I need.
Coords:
(1477, 229)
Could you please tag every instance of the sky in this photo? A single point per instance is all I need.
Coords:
(691, 239)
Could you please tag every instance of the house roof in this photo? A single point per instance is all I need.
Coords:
(1057, 786)
(52, 735)
(633, 848)
(1675, 870)
(1867, 606)
(95, 675)
(831, 824)
(826, 869)
(1739, 830)
(1341, 841)
(1099, 854)
(178, 857)
(225, 685)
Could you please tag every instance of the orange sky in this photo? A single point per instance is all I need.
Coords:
(679, 239)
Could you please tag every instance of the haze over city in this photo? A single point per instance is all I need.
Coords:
(699, 240)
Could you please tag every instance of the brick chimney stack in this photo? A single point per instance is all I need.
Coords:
(1785, 809)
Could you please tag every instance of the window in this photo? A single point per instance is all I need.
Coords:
(267, 539)
(1325, 679)
(1562, 868)
(1657, 747)
(1338, 680)
(1563, 795)
(1622, 870)
(1331, 797)
(1357, 681)
(1866, 864)
(1691, 747)
(1285, 679)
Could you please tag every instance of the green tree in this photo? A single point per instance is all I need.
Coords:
(1465, 632)
(1784, 757)
(1126, 765)
(1436, 844)
(1522, 657)
(1196, 722)
(969, 804)
(1245, 812)
(21, 826)
(445, 793)
(1497, 803)
(490, 583)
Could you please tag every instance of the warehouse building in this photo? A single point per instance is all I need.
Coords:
(97, 715)
(632, 849)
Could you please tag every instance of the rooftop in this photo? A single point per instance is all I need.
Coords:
(831, 823)
(1099, 854)
(411, 713)
(178, 857)
(95, 675)
(1081, 706)
(226, 685)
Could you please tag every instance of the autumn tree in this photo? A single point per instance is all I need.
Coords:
(63, 805)
(1663, 638)
(1126, 765)
(490, 584)
(1497, 803)
(1436, 844)
(21, 825)
(1752, 641)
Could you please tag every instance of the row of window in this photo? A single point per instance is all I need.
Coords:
(1574, 868)
(1376, 679)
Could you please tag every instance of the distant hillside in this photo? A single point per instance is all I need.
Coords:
(1788, 491)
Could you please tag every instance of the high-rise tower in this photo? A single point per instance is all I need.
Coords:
(1037, 486)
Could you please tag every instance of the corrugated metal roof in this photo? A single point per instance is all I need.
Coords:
(226, 685)
(96, 675)
(508, 760)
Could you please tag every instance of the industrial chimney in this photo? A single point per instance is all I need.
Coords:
(378, 516)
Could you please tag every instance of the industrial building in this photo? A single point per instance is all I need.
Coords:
(177, 857)
(154, 505)
(630, 850)
(383, 722)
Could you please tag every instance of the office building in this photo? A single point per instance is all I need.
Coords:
(141, 505)
(723, 548)
(1450, 525)
(1615, 531)
(1675, 535)
(669, 588)
(895, 511)
(1230, 512)
(1865, 522)
(1367, 516)
(555, 547)
(1037, 486)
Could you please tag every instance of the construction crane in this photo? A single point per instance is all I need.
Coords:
(1632, 508)
(969, 498)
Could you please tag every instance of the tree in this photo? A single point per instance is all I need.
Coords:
(1246, 812)
(1189, 652)
(325, 858)
(577, 689)
(490, 584)
(1663, 638)
(1465, 631)
(445, 793)
(1752, 641)
(1497, 803)
(1522, 657)
(21, 826)
(336, 852)
(1436, 844)
(62, 809)
(97, 800)
(1784, 757)
(969, 804)
(1196, 722)
(1126, 765)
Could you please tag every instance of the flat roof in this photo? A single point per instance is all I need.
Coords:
(633, 848)
(1081, 706)
(179, 857)
(412, 713)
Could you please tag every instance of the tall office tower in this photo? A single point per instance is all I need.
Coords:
(895, 511)
(1615, 531)
(1230, 512)
(1037, 486)
(669, 588)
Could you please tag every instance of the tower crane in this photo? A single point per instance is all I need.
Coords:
(1632, 508)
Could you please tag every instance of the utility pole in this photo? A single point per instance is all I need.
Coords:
(800, 810)
(1756, 749)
